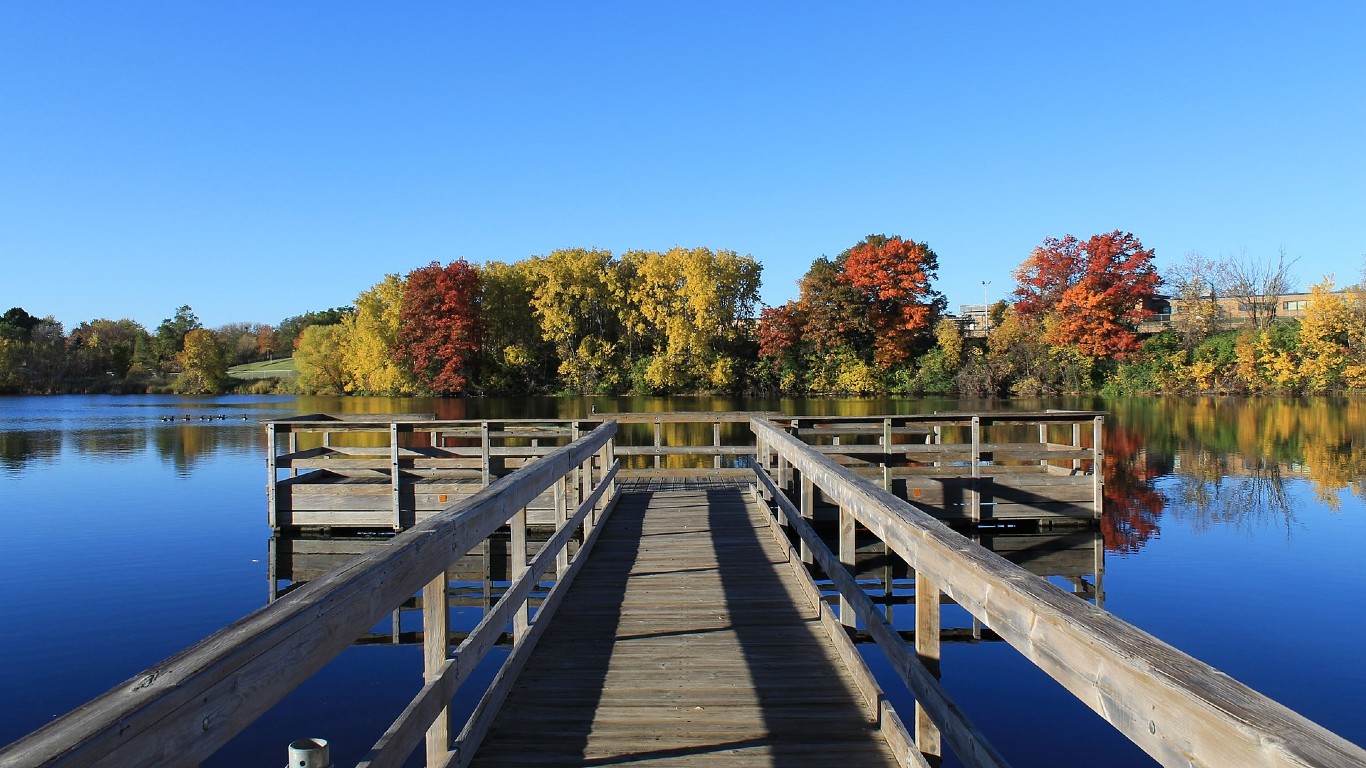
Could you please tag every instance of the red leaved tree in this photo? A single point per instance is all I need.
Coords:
(780, 332)
(438, 332)
(1088, 293)
(894, 277)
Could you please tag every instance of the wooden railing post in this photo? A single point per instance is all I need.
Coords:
(521, 619)
(658, 442)
(716, 443)
(887, 451)
(848, 557)
(1098, 466)
(577, 482)
(272, 475)
(975, 495)
(395, 477)
(927, 627)
(485, 453)
(435, 648)
(1076, 444)
(808, 512)
(562, 518)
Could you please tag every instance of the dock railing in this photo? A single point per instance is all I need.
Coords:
(1179, 710)
(182, 710)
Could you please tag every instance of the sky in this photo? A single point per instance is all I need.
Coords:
(257, 160)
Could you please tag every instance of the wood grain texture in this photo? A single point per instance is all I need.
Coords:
(1179, 710)
(685, 640)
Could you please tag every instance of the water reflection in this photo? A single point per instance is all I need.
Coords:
(1227, 462)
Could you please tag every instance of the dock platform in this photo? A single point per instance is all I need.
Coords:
(687, 640)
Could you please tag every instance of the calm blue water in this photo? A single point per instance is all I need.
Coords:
(1232, 536)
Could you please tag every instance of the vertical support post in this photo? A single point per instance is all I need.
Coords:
(975, 495)
(658, 441)
(848, 558)
(561, 518)
(272, 475)
(887, 455)
(808, 513)
(888, 586)
(486, 550)
(716, 442)
(1076, 445)
(293, 447)
(1043, 441)
(580, 492)
(435, 647)
(938, 440)
(272, 576)
(1098, 466)
(521, 620)
(1099, 566)
(395, 477)
(485, 453)
(611, 459)
(927, 627)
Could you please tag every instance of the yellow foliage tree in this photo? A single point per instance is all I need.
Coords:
(369, 335)
(1330, 330)
(574, 299)
(203, 364)
(697, 301)
(318, 356)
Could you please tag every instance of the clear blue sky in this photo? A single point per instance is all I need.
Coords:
(256, 160)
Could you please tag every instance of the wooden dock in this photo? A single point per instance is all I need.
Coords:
(688, 640)
(707, 619)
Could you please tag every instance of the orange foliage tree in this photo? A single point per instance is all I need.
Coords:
(1089, 294)
(894, 276)
(438, 334)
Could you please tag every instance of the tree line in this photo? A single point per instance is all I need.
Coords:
(867, 321)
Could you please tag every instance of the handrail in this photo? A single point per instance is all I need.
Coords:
(1178, 709)
(183, 709)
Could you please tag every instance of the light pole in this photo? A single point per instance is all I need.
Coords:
(986, 307)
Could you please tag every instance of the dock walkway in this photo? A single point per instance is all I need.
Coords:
(686, 640)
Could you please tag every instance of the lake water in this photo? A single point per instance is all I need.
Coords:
(1231, 532)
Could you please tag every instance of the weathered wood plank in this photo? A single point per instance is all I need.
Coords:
(1178, 709)
(683, 640)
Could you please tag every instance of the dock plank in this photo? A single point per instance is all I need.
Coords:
(686, 641)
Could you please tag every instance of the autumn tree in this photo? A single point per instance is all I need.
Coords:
(577, 298)
(287, 332)
(1089, 294)
(894, 277)
(104, 347)
(1332, 339)
(203, 363)
(438, 333)
(697, 302)
(514, 356)
(370, 335)
(318, 358)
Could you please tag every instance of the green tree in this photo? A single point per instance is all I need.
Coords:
(170, 336)
(203, 364)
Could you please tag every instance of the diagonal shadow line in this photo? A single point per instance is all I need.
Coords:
(748, 572)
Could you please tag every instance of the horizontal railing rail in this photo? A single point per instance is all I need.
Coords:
(1176, 708)
(180, 711)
